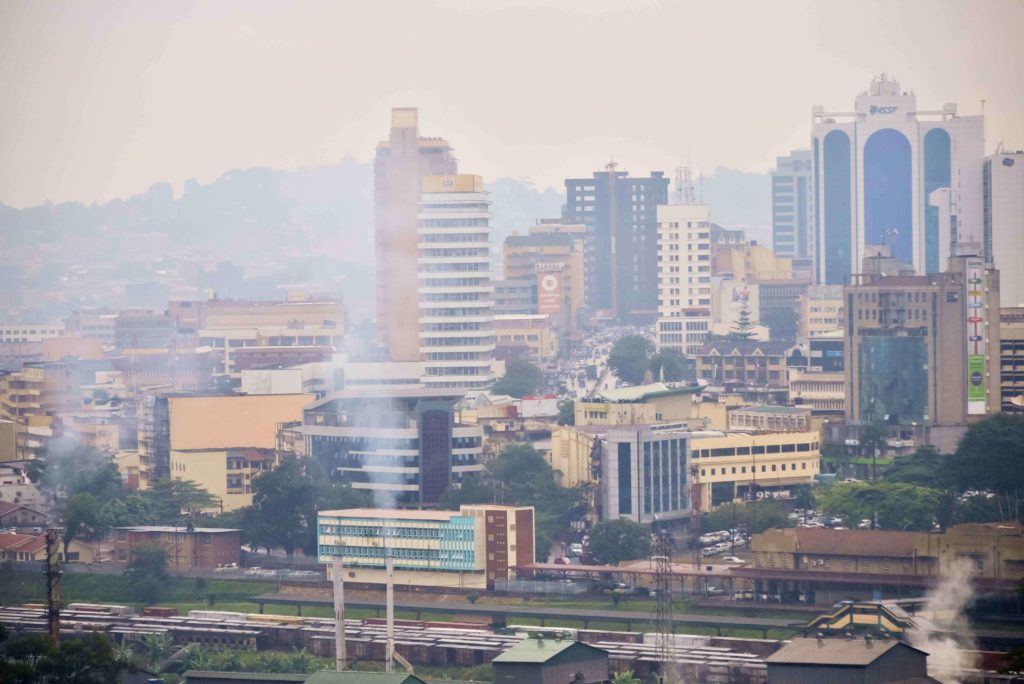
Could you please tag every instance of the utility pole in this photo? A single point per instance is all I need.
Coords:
(340, 647)
(53, 583)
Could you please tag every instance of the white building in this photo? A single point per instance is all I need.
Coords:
(792, 204)
(456, 326)
(30, 332)
(684, 276)
(1004, 223)
(876, 173)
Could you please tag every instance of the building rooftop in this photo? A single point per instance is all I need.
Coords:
(352, 677)
(843, 652)
(389, 514)
(775, 410)
(878, 543)
(388, 392)
(747, 347)
(641, 393)
(539, 650)
(171, 528)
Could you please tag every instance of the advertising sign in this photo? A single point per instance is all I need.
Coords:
(549, 293)
(975, 332)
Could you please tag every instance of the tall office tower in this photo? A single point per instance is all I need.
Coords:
(398, 170)
(878, 177)
(684, 276)
(918, 348)
(551, 259)
(621, 250)
(791, 206)
(1004, 223)
(456, 297)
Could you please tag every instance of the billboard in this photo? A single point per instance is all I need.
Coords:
(975, 332)
(549, 292)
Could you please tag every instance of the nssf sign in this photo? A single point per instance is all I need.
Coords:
(875, 109)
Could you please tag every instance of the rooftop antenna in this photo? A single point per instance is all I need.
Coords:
(684, 186)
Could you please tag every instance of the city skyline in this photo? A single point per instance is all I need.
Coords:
(140, 94)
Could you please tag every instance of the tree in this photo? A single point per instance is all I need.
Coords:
(566, 412)
(872, 440)
(146, 571)
(626, 677)
(628, 358)
(894, 505)
(743, 329)
(756, 516)
(279, 509)
(83, 519)
(990, 456)
(926, 467)
(669, 365)
(521, 379)
(612, 541)
(168, 499)
(36, 659)
(782, 324)
(520, 476)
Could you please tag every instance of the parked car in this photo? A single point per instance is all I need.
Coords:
(733, 559)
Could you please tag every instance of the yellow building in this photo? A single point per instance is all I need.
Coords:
(736, 465)
(750, 263)
(22, 402)
(572, 452)
(532, 335)
(222, 442)
(820, 311)
(653, 403)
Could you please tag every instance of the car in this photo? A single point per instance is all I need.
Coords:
(710, 551)
(733, 559)
(715, 591)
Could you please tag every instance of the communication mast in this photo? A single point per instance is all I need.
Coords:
(684, 186)
(664, 624)
(53, 583)
(695, 512)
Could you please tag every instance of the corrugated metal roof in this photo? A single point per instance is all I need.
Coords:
(539, 650)
(328, 677)
(198, 675)
(877, 543)
(642, 392)
(858, 652)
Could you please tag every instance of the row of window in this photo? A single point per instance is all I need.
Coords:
(757, 449)
(743, 469)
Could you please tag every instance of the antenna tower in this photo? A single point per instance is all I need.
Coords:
(664, 624)
(53, 583)
(684, 186)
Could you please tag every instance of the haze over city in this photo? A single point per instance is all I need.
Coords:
(103, 99)
(511, 342)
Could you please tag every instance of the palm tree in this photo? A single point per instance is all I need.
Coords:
(158, 647)
(872, 437)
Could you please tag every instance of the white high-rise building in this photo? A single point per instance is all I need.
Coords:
(1004, 223)
(684, 276)
(456, 297)
(876, 173)
(792, 236)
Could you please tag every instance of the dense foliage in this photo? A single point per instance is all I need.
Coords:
(36, 659)
(520, 476)
(521, 379)
(629, 358)
(612, 541)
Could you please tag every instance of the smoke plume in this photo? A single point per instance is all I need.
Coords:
(946, 609)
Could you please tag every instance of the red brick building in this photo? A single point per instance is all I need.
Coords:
(202, 547)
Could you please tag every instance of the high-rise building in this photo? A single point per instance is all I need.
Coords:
(1004, 223)
(1011, 359)
(877, 171)
(684, 276)
(399, 167)
(621, 251)
(791, 206)
(403, 445)
(919, 349)
(551, 256)
(455, 294)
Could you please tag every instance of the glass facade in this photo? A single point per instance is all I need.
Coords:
(937, 174)
(837, 233)
(893, 379)
(888, 193)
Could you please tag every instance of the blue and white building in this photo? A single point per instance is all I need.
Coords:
(888, 173)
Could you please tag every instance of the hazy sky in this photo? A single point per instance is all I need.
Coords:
(102, 99)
